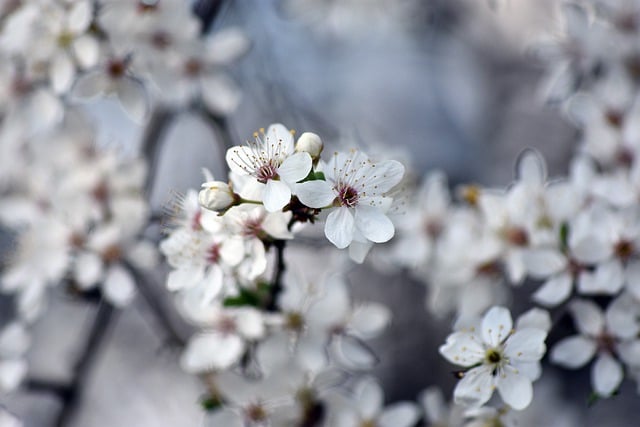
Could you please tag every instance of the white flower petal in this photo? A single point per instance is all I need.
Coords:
(224, 417)
(315, 194)
(475, 388)
(12, 372)
(632, 278)
(401, 414)
(232, 250)
(534, 318)
(183, 278)
(339, 227)
(606, 375)
(370, 398)
(369, 320)
(542, 263)
(587, 316)
(227, 45)
(531, 169)
(79, 17)
(86, 50)
(526, 345)
(61, 73)
(382, 176)
(573, 352)
(463, 348)
(554, 291)
(119, 287)
(353, 353)
(133, 99)
(14, 340)
(90, 85)
(250, 324)
(211, 351)
(373, 224)
(87, 269)
(220, 94)
(295, 168)
(276, 195)
(515, 388)
(608, 279)
(496, 325)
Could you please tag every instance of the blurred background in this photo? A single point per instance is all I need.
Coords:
(437, 84)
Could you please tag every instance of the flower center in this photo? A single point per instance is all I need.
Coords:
(256, 413)
(348, 196)
(116, 68)
(294, 321)
(213, 254)
(517, 236)
(65, 39)
(266, 172)
(493, 356)
(112, 253)
(147, 6)
(161, 40)
(624, 249)
(193, 67)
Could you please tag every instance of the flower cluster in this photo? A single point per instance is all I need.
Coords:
(77, 210)
(294, 336)
(137, 51)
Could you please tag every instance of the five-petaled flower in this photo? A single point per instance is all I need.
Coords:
(497, 356)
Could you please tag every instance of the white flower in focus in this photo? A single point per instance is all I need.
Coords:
(216, 195)
(271, 160)
(356, 187)
(497, 356)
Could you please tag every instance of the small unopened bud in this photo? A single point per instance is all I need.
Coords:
(216, 195)
(310, 143)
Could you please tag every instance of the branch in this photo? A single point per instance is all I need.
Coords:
(151, 143)
(276, 286)
(72, 395)
(158, 307)
(207, 10)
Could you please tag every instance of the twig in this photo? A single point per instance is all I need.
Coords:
(37, 385)
(151, 143)
(276, 286)
(97, 337)
(207, 10)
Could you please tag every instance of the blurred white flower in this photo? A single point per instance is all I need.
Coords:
(599, 335)
(368, 409)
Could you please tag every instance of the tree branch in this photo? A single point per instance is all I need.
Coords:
(158, 307)
(73, 394)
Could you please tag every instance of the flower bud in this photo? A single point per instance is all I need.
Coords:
(216, 196)
(310, 143)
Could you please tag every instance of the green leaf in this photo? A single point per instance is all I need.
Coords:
(564, 236)
(209, 403)
(249, 297)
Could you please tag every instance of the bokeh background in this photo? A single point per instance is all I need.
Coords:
(438, 84)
